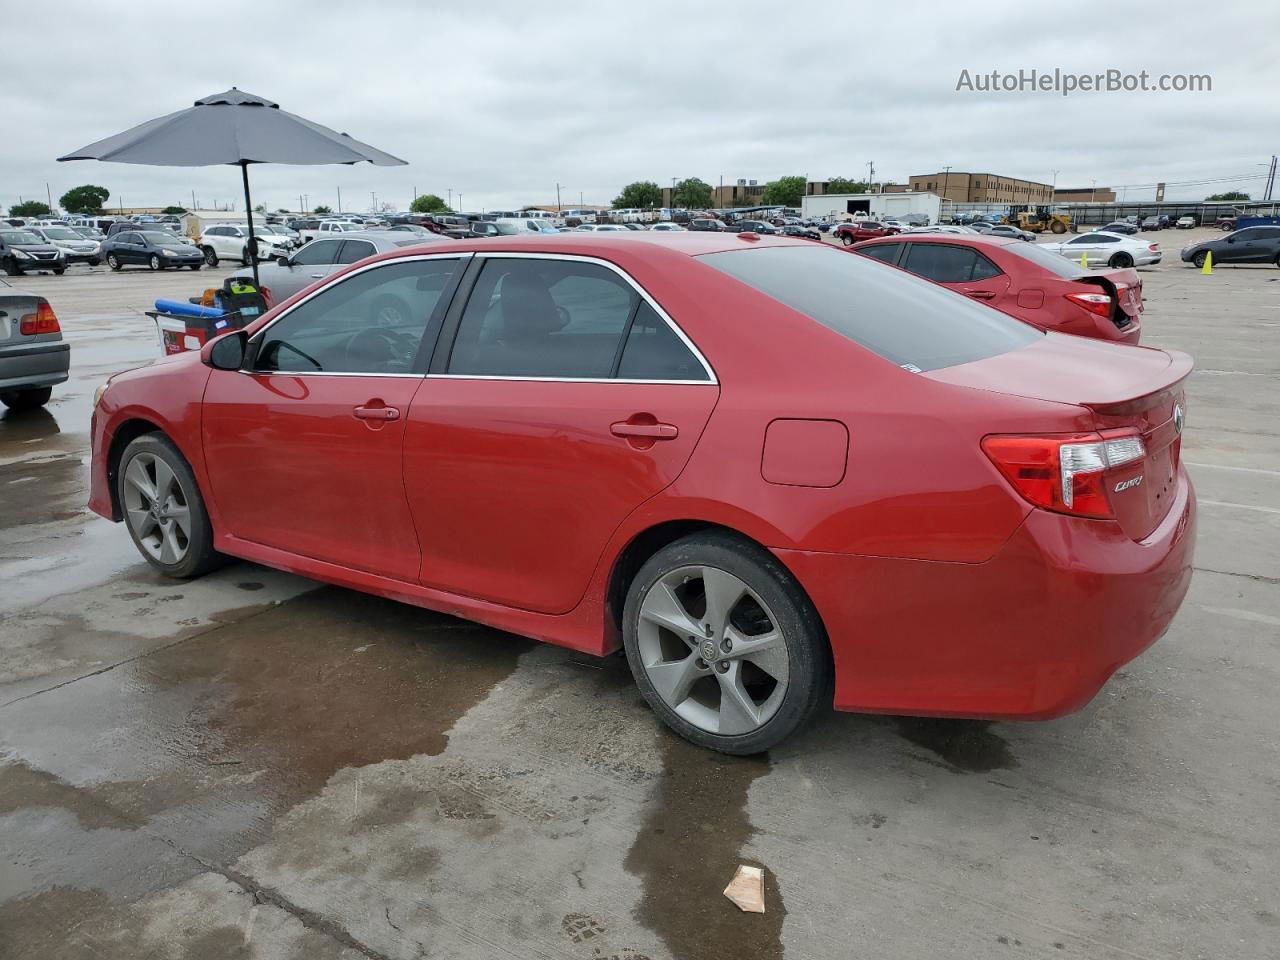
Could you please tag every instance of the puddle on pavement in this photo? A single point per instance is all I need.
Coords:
(966, 746)
(21, 788)
(20, 428)
(42, 490)
(686, 853)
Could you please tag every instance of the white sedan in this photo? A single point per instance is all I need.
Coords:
(1113, 250)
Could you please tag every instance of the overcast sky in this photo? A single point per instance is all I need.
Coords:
(501, 100)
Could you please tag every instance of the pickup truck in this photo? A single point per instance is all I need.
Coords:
(855, 230)
(313, 228)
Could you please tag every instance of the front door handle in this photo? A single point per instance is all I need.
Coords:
(650, 431)
(317, 276)
(980, 294)
(376, 413)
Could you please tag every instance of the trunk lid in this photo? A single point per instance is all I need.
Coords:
(1128, 389)
(1125, 289)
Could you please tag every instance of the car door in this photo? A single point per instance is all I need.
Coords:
(129, 248)
(1095, 247)
(304, 446)
(315, 261)
(958, 267)
(560, 399)
(1243, 246)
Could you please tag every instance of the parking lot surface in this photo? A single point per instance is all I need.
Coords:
(255, 765)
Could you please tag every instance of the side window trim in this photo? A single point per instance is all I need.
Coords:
(255, 341)
(449, 329)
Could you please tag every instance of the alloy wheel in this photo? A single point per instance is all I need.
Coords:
(712, 650)
(156, 508)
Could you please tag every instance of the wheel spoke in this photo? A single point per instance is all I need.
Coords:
(142, 522)
(170, 551)
(768, 651)
(662, 607)
(723, 591)
(181, 517)
(738, 712)
(166, 483)
(136, 475)
(673, 679)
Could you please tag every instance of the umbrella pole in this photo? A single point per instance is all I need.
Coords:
(248, 209)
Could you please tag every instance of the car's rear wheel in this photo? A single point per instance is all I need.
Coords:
(210, 257)
(27, 399)
(1120, 261)
(113, 261)
(154, 262)
(723, 644)
(1199, 259)
(163, 508)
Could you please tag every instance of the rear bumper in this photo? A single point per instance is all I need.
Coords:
(34, 364)
(1032, 633)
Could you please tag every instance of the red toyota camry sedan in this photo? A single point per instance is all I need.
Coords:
(778, 476)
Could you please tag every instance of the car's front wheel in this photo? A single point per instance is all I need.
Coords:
(27, 399)
(163, 508)
(724, 645)
(154, 262)
(113, 261)
(210, 256)
(1120, 261)
(12, 269)
(846, 239)
(1199, 259)
(59, 271)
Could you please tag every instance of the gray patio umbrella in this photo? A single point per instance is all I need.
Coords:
(233, 128)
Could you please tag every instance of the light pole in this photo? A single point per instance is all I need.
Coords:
(946, 179)
(1053, 190)
(1093, 191)
(339, 199)
(673, 193)
(557, 199)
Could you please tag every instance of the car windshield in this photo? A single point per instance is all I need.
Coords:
(508, 229)
(1053, 262)
(157, 236)
(19, 236)
(61, 233)
(907, 320)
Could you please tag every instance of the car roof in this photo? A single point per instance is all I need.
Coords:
(977, 239)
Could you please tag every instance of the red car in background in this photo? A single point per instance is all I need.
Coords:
(689, 447)
(1024, 281)
(857, 230)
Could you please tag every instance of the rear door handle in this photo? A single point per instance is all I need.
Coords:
(376, 413)
(653, 431)
(980, 294)
(317, 276)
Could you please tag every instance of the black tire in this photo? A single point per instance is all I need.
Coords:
(1120, 261)
(245, 258)
(199, 557)
(154, 262)
(196, 266)
(114, 262)
(1198, 259)
(28, 399)
(808, 652)
(1058, 227)
(210, 256)
(846, 239)
(59, 271)
(95, 262)
(12, 269)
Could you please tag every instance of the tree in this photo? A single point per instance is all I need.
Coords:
(786, 191)
(260, 208)
(85, 199)
(322, 209)
(1229, 195)
(32, 208)
(282, 209)
(428, 203)
(642, 193)
(693, 193)
(845, 185)
(174, 211)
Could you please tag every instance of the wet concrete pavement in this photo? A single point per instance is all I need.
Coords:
(252, 765)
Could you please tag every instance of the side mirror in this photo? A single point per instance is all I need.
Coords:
(225, 352)
(284, 260)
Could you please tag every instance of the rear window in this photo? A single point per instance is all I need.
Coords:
(909, 321)
(1055, 263)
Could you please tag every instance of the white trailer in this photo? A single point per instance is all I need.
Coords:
(872, 206)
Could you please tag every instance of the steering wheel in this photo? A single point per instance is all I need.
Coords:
(380, 347)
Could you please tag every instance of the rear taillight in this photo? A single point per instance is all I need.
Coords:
(1063, 473)
(1153, 247)
(44, 320)
(1098, 303)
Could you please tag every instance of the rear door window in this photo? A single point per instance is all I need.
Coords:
(318, 253)
(940, 262)
(355, 250)
(905, 319)
(888, 252)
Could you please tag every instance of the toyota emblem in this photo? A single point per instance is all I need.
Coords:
(708, 651)
(1179, 415)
